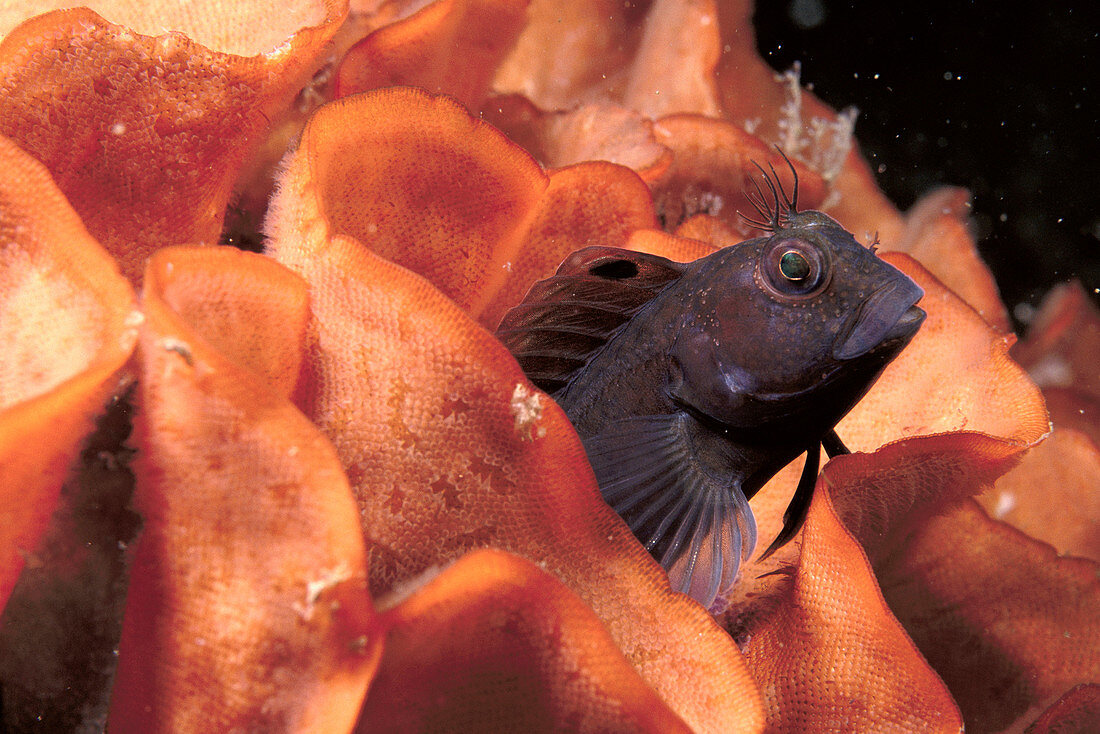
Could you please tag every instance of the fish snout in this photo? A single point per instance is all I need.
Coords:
(889, 315)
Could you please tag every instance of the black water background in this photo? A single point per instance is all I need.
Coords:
(995, 97)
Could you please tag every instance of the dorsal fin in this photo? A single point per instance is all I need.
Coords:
(564, 320)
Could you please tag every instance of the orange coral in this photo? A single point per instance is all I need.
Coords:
(450, 46)
(827, 621)
(405, 223)
(247, 603)
(1064, 472)
(143, 129)
(452, 199)
(533, 658)
(67, 328)
(1061, 345)
(604, 131)
(1006, 624)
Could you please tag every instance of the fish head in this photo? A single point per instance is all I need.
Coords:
(782, 335)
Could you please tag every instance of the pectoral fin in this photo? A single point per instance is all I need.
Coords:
(795, 515)
(699, 528)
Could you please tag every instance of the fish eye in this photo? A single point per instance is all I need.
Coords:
(794, 267)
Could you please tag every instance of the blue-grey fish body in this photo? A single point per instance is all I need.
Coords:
(692, 384)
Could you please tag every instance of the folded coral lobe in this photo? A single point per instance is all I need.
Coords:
(66, 328)
(247, 604)
(447, 196)
(450, 46)
(495, 644)
(832, 653)
(144, 114)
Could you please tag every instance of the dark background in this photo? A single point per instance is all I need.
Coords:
(992, 96)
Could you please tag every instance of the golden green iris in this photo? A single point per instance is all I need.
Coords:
(794, 266)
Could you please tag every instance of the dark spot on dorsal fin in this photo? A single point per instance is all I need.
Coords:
(565, 320)
(615, 270)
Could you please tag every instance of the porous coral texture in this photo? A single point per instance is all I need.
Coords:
(450, 46)
(1007, 624)
(452, 199)
(247, 606)
(143, 114)
(533, 657)
(67, 326)
(829, 651)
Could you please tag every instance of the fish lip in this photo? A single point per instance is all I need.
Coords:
(887, 316)
(906, 326)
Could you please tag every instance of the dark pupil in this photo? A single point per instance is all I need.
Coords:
(794, 266)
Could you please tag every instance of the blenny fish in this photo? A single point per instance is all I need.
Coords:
(692, 384)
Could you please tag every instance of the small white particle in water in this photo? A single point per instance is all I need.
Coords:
(508, 266)
(1005, 503)
(118, 129)
(1024, 312)
(1051, 371)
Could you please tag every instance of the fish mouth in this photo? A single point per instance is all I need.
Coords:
(890, 316)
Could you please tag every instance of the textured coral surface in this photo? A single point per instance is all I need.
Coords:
(308, 490)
